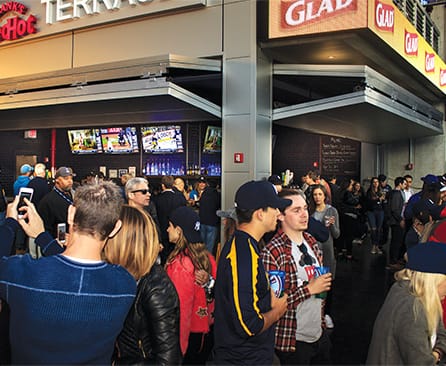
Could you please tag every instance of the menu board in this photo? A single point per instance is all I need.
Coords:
(340, 156)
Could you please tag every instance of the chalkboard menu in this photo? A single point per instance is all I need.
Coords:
(340, 156)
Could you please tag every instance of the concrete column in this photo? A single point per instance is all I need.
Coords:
(247, 95)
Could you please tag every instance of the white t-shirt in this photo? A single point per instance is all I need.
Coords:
(308, 312)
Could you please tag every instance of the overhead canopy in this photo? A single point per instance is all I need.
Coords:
(351, 101)
(136, 91)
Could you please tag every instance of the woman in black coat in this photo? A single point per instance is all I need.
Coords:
(151, 329)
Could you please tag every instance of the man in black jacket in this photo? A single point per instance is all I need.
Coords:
(210, 202)
(396, 222)
(165, 203)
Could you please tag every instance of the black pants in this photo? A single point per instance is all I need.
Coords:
(348, 229)
(317, 353)
(396, 243)
(198, 349)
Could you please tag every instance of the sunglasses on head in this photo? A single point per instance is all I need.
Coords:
(143, 191)
(306, 259)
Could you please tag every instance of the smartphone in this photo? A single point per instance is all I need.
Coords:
(61, 232)
(24, 192)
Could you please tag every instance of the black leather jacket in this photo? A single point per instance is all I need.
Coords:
(151, 329)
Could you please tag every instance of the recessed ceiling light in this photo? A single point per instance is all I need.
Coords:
(331, 57)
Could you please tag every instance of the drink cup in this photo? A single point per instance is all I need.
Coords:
(319, 271)
(277, 282)
(327, 220)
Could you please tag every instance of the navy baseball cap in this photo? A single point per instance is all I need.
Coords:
(427, 257)
(189, 221)
(259, 194)
(430, 179)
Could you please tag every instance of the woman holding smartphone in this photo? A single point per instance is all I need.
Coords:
(185, 266)
(151, 329)
(328, 215)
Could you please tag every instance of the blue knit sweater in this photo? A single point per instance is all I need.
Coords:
(62, 311)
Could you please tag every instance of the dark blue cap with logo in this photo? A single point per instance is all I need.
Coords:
(189, 221)
(259, 194)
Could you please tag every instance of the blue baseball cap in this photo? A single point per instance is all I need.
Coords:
(189, 221)
(430, 179)
(259, 194)
(428, 257)
(26, 168)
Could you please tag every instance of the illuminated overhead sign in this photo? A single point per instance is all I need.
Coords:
(15, 24)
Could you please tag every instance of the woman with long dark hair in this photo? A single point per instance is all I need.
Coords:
(375, 213)
(185, 264)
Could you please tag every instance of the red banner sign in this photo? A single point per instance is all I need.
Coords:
(410, 43)
(384, 16)
(297, 13)
(429, 62)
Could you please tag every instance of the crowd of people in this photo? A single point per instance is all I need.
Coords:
(146, 279)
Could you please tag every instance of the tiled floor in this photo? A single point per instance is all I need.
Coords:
(358, 293)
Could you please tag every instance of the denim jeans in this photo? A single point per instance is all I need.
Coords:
(209, 236)
(376, 219)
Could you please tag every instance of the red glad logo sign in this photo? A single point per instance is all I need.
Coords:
(429, 62)
(297, 13)
(442, 77)
(16, 27)
(410, 43)
(384, 16)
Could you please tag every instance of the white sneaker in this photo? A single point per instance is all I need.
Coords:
(329, 322)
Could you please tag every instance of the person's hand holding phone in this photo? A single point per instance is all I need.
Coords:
(11, 210)
(31, 222)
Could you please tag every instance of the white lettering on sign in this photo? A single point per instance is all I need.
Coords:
(60, 10)
(429, 63)
(303, 11)
(411, 43)
(384, 16)
(442, 77)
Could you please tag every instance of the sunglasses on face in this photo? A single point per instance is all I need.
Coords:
(306, 259)
(143, 191)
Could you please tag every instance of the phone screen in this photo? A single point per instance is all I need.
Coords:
(27, 195)
(61, 231)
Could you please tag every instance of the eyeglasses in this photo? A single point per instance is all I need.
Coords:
(143, 191)
(306, 259)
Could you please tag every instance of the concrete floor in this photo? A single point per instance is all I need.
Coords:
(358, 293)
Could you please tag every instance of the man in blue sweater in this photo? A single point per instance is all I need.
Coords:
(67, 308)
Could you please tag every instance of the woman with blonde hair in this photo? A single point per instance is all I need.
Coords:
(409, 329)
(151, 329)
(185, 266)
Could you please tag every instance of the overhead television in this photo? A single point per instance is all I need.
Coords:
(212, 140)
(85, 141)
(162, 139)
(119, 140)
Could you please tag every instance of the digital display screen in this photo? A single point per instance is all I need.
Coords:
(85, 141)
(119, 140)
(162, 139)
(212, 140)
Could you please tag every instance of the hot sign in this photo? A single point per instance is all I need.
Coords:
(16, 25)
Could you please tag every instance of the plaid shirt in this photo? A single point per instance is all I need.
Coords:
(277, 256)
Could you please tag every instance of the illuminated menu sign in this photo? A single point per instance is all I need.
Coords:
(15, 22)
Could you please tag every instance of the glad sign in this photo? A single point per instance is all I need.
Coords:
(429, 62)
(442, 77)
(297, 13)
(16, 26)
(384, 16)
(410, 43)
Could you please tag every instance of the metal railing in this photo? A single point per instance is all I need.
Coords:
(418, 16)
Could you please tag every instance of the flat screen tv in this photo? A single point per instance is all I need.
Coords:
(162, 139)
(212, 140)
(85, 141)
(119, 140)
